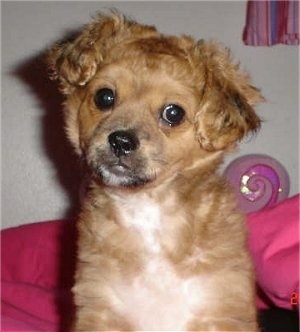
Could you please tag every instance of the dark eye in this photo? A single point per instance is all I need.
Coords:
(173, 114)
(104, 98)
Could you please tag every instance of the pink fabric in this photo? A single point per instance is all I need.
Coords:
(38, 265)
(274, 246)
(37, 269)
(271, 22)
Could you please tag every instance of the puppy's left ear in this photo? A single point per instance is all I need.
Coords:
(226, 111)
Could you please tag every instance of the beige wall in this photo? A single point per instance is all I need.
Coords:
(39, 172)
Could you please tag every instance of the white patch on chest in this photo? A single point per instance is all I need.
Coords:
(157, 299)
(144, 215)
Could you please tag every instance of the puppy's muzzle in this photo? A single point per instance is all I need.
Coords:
(123, 142)
(121, 161)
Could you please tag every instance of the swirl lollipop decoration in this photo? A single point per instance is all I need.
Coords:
(258, 180)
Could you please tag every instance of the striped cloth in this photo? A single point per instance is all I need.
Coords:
(272, 22)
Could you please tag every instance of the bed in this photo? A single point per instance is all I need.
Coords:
(38, 259)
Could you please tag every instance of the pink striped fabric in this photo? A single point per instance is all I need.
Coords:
(272, 22)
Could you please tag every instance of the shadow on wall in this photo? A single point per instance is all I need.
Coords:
(34, 73)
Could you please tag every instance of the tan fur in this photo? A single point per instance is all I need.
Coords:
(168, 219)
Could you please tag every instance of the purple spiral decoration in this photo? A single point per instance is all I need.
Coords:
(258, 180)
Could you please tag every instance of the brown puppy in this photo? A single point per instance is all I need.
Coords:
(161, 244)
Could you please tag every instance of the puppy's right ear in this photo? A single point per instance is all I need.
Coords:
(76, 62)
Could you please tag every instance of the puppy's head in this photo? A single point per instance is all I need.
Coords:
(142, 106)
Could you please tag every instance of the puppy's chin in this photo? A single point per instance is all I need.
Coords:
(121, 176)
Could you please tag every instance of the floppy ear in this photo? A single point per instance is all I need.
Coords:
(226, 112)
(76, 62)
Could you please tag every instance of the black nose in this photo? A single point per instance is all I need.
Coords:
(123, 142)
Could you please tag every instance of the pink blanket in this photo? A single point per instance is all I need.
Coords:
(37, 270)
(38, 264)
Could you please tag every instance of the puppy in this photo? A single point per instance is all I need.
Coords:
(161, 245)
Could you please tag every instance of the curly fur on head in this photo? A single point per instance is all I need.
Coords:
(159, 233)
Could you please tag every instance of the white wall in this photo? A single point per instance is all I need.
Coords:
(39, 172)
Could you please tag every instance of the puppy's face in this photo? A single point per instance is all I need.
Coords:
(142, 107)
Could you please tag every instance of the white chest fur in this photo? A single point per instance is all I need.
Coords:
(157, 299)
(144, 215)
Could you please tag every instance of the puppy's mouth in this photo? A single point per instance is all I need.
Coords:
(120, 163)
(120, 169)
(119, 174)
